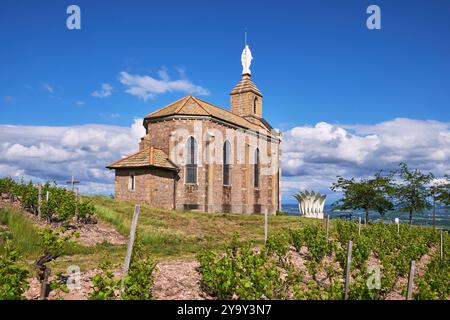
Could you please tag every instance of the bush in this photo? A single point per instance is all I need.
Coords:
(243, 273)
(278, 245)
(137, 284)
(140, 278)
(61, 206)
(104, 285)
(13, 278)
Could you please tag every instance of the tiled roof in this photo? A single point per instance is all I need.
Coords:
(148, 157)
(190, 105)
(245, 85)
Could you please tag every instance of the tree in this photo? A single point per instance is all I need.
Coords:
(364, 194)
(443, 192)
(440, 194)
(411, 192)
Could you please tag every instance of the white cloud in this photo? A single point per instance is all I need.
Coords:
(80, 103)
(145, 87)
(56, 153)
(314, 156)
(105, 91)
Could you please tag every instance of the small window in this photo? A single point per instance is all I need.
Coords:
(132, 182)
(191, 161)
(256, 169)
(255, 102)
(226, 163)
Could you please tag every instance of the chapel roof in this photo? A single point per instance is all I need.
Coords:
(148, 157)
(193, 106)
(246, 85)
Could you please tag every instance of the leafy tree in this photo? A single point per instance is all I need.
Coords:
(411, 192)
(442, 192)
(364, 194)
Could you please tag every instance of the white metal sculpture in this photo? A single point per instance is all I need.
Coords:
(246, 60)
(311, 204)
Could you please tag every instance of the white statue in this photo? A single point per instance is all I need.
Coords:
(246, 59)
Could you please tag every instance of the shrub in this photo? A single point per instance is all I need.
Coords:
(13, 278)
(243, 273)
(104, 285)
(140, 278)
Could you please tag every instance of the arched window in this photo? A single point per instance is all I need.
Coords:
(256, 169)
(191, 160)
(255, 102)
(226, 163)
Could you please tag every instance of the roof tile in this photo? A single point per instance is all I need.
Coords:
(142, 159)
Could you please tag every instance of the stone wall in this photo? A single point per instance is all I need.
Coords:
(209, 194)
(243, 104)
(152, 185)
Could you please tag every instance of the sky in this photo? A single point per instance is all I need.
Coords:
(349, 101)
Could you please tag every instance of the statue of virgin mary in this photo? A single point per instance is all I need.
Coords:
(246, 59)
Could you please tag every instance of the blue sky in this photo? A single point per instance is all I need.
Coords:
(314, 60)
(324, 76)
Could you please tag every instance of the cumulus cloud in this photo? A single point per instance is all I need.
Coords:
(55, 153)
(105, 91)
(314, 155)
(144, 86)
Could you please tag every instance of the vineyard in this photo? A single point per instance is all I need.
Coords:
(381, 253)
(52, 203)
(301, 259)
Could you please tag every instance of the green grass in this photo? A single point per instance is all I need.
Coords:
(24, 233)
(167, 234)
(179, 234)
(22, 230)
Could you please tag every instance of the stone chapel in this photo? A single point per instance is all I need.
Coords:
(198, 156)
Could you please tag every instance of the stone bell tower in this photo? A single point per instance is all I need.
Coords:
(246, 99)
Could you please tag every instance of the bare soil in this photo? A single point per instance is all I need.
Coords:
(174, 280)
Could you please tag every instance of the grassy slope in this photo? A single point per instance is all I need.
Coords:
(24, 233)
(167, 234)
(175, 234)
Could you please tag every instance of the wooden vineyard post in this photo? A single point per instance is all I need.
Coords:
(327, 226)
(43, 291)
(410, 280)
(442, 246)
(265, 226)
(76, 202)
(347, 271)
(126, 264)
(39, 201)
(359, 226)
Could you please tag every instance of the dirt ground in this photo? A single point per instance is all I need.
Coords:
(90, 234)
(174, 280)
